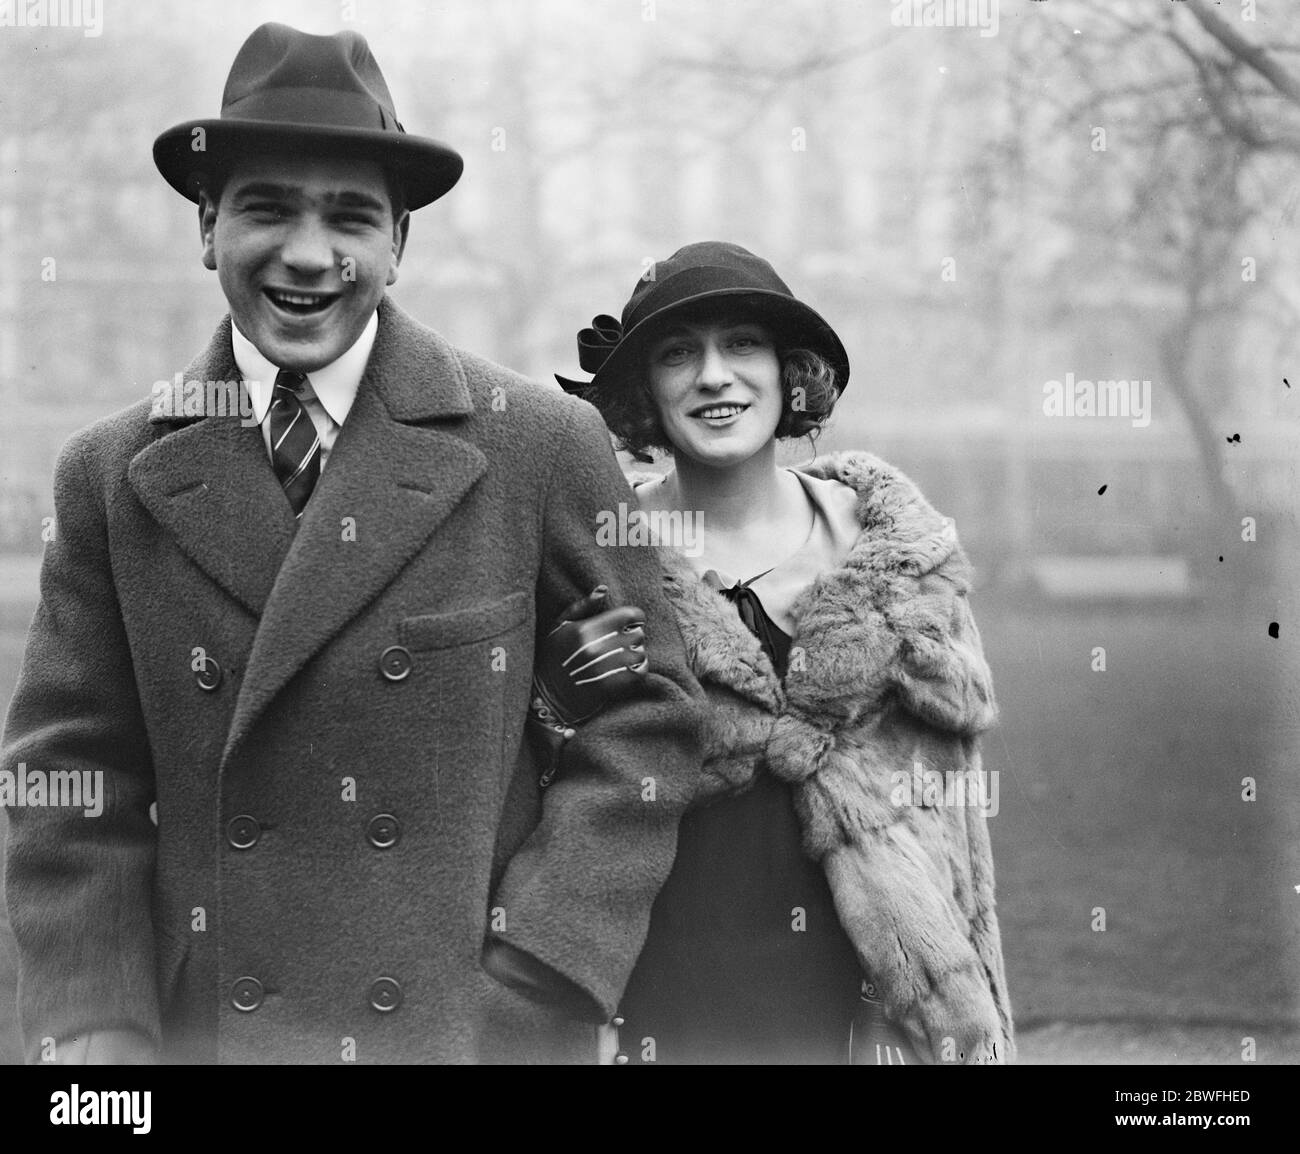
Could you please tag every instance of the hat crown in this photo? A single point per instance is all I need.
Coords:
(704, 266)
(279, 68)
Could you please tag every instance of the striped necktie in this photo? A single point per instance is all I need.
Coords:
(295, 447)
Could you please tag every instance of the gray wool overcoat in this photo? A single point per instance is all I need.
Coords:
(331, 722)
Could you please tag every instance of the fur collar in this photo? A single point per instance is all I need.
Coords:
(878, 626)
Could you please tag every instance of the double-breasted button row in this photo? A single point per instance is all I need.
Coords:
(244, 832)
(247, 994)
(395, 662)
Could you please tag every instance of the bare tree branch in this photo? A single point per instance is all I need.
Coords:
(1253, 55)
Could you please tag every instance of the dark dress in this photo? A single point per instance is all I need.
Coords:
(746, 961)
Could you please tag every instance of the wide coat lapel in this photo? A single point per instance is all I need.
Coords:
(209, 482)
(389, 483)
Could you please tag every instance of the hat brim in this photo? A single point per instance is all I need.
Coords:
(794, 325)
(424, 168)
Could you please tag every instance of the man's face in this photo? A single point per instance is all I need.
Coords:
(304, 248)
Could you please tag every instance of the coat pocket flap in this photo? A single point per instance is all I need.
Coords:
(443, 630)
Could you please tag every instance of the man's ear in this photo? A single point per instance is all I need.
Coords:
(207, 226)
(401, 228)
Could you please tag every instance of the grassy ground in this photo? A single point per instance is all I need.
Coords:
(1135, 1044)
(1122, 791)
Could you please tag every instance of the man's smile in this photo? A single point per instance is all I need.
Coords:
(300, 302)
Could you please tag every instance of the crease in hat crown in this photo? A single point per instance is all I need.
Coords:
(280, 77)
(303, 93)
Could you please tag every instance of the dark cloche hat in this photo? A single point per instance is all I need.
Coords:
(306, 94)
(710, 270)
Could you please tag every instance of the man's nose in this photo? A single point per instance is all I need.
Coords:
(308, 249)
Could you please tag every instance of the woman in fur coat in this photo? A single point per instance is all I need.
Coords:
(834, 877)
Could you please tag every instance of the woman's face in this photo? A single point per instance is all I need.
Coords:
(717, 387)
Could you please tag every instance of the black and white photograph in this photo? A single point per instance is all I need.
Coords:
(710, 533)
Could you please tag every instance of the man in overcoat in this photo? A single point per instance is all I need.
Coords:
(293, 650)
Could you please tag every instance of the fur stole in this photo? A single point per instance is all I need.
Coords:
(887, 682)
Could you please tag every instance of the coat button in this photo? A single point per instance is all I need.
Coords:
(383, 831)
(620, 1059)
(616, 1022)
(209, 677)
(246, 994)
(395, 662)
(385, 995)
(243, 831)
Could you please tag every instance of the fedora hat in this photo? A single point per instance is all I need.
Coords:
(612, 349)
(303, 94)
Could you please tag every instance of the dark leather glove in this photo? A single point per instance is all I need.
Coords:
(593, 656)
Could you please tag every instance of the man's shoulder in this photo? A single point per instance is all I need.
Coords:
(495, 391)
(115, 437)
(490, 382)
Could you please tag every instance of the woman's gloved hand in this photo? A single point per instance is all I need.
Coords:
(594, 655)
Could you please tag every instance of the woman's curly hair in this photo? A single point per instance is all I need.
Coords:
(808, 383)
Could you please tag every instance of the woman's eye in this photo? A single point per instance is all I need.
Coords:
(675, 355)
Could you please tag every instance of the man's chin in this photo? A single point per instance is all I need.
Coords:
(302, 349)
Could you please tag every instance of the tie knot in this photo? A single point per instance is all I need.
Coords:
(288, 379)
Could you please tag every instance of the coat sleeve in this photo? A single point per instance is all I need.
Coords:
(78, 886)
(577, 894)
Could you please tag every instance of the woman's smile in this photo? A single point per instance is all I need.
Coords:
(719, 414)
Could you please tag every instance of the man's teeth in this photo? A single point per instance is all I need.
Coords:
(299, 300)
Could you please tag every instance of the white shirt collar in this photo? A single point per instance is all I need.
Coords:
(335, 385)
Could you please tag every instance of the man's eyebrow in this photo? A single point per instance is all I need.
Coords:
(349, 198)
(344, 198)
(265, 189)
